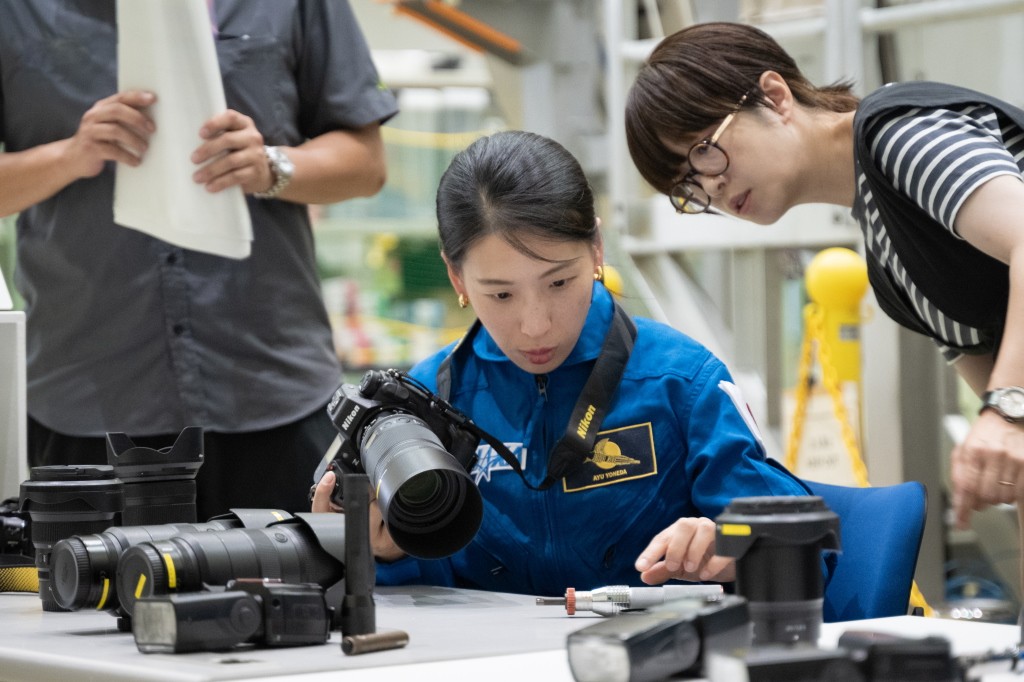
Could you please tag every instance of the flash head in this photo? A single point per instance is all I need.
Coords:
(666, 640)
(261, 612)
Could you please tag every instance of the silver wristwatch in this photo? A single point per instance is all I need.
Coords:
(281, 167)
(1008, 402)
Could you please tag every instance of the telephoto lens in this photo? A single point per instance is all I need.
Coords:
(63, 501)
(159, 485)
(430, 505)
(84, 567)
(416, 450)
(777, 543)
(309, 548)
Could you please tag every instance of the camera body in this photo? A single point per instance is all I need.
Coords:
(417, 451)
(18, 571)
(15, 535)
(382, 393)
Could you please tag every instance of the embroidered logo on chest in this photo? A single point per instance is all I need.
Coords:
(623, 454)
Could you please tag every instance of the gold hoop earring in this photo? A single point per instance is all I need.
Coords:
(599, 274)
(463, 300)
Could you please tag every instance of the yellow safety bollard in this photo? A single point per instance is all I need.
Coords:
(836, 280)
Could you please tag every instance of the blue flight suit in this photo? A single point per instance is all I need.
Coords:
(673, 444)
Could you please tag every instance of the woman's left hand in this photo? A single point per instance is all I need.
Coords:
(232, 151)
(685, 551)
(384, 547)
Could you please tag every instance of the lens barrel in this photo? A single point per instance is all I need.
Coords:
(84, 567)
(63, 501)
(777, 544)
(289, 551)
(430, 505)
(159, 485)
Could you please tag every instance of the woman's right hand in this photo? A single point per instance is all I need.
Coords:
(685, 551)
(384, 548)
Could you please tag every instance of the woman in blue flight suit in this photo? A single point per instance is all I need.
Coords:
(676, 442)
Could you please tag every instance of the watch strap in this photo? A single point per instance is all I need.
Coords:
(990, 400)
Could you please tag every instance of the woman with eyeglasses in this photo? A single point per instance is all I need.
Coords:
(673, 442)
(720, 118)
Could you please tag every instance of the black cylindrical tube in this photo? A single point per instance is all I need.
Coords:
(358, 612)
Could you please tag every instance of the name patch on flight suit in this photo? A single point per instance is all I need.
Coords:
(619, 455)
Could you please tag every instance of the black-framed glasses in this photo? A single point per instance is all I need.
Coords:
(705, 158)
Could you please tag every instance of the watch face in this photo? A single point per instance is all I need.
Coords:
(1011, 403)
(284, 165)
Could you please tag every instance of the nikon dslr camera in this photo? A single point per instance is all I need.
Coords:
(417, 451)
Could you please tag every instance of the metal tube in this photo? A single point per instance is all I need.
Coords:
(378, 641)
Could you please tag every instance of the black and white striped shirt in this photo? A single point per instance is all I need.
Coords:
(937, 158)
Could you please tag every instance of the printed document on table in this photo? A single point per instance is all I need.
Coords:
(167, 47)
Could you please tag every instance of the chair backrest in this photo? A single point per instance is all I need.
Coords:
(880, 531)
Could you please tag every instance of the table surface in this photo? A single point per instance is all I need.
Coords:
(454, 635)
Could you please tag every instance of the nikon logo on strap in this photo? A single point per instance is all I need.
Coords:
(584, 424)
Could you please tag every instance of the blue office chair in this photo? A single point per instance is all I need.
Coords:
(881, 531)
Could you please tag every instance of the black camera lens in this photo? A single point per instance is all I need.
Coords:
(293, 551)
(430, 505)
(84, 567)
(63, 501)
(777, 544)
(159, 485)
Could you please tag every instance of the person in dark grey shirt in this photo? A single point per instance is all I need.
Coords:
(128, 333)
(721, 118)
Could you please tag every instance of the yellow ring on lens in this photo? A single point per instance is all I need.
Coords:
(138, 588)
(104, 594)
(172, 575)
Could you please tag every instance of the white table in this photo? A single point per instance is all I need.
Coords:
(455, 636)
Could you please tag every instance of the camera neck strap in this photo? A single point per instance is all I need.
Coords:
(591, 407)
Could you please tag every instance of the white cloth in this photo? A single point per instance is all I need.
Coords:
(5, 296)
(166, 47)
